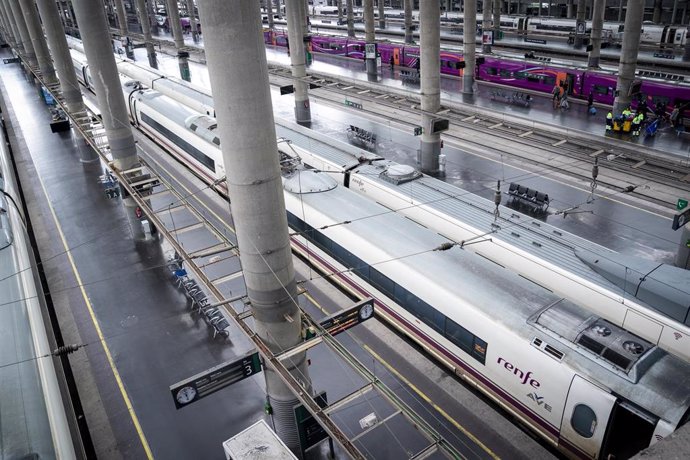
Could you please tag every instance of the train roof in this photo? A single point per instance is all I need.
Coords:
(451, 278)
(549, 243)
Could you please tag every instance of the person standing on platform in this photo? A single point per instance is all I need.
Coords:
(556, 92)
(609, 121)
(636, 123)
(590, 105)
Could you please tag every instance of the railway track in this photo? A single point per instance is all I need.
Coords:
(556, 149)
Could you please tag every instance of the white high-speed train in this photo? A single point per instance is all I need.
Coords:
(439, 206)
(582, 383)
(652, 34)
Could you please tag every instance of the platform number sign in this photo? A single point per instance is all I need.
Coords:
(681, 204)
(682, 216)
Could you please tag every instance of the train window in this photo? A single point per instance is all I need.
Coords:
(584, 420)
(600, 89)
(506, 73)
(382, 282)
(459, 336)
(322, 240)
(491, 70)
(420, 309)
(479, 350)
(521, 75)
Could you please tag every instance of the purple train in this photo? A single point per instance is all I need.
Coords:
(517, 73)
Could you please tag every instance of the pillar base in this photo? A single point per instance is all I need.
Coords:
(593, 62)
(135, 224)
(429, 157)
(184, 69)
(683, 256)
(372, 71)
(468, 84)
(303, 112)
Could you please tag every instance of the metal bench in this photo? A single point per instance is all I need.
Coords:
(534, 200)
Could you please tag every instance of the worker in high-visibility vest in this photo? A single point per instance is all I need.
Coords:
(636, 123)
(609, 121)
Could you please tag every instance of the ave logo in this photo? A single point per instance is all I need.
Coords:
(539, 400)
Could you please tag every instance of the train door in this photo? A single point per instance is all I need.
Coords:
(522, 25)
(396, 56)
(586, 415)
(630, 430)
(570, 79)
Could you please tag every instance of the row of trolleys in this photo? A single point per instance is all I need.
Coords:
(582, 382)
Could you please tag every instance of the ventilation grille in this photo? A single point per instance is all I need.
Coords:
(548, 349)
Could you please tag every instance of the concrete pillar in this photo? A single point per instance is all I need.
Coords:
(430, 56)
(143, 16)
(29, 54)
(597, 29)
(686, 54)
(350, 18)
(487, 12)
(369, 38)
(69, 86)
(298, 60)
(340, 11)
(38, 41)
(12, 31)
(656, 17)
(628, 60)
(620, 10)
(580, 24)
(192, 20)
(178, 38)
(382, 17)
(570, 12)
(239, 81)
(409, 33)
(549, 9)
(683, 256)
(151, 10)
(269, 12)
(673, 13)
(121, 17)
(99, 53)
(497, 18)
(469, 45)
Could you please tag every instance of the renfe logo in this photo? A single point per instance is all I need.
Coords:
(524, 377)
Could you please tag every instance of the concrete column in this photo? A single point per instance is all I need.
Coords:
(382, 17)
(628, 60)
(673, 13)
(597, 29)
(269, 12)
(239, 81)
(143, 16)
(570, 13)
(121, 17)
(656, 18)
(340, 11)
(469, 53)
(409, 33)
(487, 8)
(69, 86)
(38, 41)
(151, 10)
(99, 54)
(369, 37)
(350, 18)
(192, 19)
(298, 60)
(11, 30)
(549, 9)
(497, 18)
(178, 38)
(430, 56)
(580, 24)
(620, 10)
(686, 54)
(29, 54)
(683, 256)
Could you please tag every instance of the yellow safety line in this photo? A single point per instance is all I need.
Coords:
(428, 400)
(101, 337)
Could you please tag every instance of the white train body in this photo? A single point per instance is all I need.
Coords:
(487, 324)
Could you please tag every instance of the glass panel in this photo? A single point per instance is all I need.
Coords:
(584, 421)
